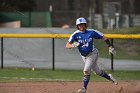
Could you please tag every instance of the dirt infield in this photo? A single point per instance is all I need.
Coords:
(69, 87)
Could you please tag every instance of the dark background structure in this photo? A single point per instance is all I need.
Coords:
(66, 11)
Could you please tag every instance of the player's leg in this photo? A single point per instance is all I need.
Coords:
(101, 72)
(86, 76)
(88, 67)
(89, 62)
(92, 59)
(86, 72)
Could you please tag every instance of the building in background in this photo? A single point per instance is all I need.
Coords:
(100, 13)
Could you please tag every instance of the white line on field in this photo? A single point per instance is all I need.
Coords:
(23, 78)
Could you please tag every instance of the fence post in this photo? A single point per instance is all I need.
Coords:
(53, 54)
(112, 63)
(2, 53)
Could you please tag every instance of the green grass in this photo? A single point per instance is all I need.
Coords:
(22, 74)
(133, 30)
(125, 48)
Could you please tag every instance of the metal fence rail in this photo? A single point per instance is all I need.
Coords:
(56, 36)
(113, 36)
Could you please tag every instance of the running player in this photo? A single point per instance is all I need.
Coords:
(83, 39)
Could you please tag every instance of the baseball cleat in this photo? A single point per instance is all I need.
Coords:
(82, 90)
(113, 79)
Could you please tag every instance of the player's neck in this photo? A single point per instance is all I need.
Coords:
(82, 31)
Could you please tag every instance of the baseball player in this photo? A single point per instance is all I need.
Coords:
(83, 38)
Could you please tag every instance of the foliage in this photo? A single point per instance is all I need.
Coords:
(17, 5)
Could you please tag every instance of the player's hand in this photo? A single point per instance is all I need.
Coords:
(112, 50)
(75, 44)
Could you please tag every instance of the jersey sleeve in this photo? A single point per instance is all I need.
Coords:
(72, 38)
(98, 35)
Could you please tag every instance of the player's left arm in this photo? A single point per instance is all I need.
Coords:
(99, 35)
(107, 41)
(111, 48)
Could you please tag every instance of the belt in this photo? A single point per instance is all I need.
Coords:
(86, 54)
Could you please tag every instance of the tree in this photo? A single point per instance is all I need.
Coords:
(17, 5)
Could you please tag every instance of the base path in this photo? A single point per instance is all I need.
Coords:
(69, 87)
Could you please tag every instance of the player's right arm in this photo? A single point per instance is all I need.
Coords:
(69, 45)
(71, 42)
(72, 45)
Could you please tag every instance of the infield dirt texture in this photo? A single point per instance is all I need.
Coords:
(69, 87)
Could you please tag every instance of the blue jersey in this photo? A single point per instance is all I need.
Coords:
(85, 39)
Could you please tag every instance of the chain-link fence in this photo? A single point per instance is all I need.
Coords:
(39, 52)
